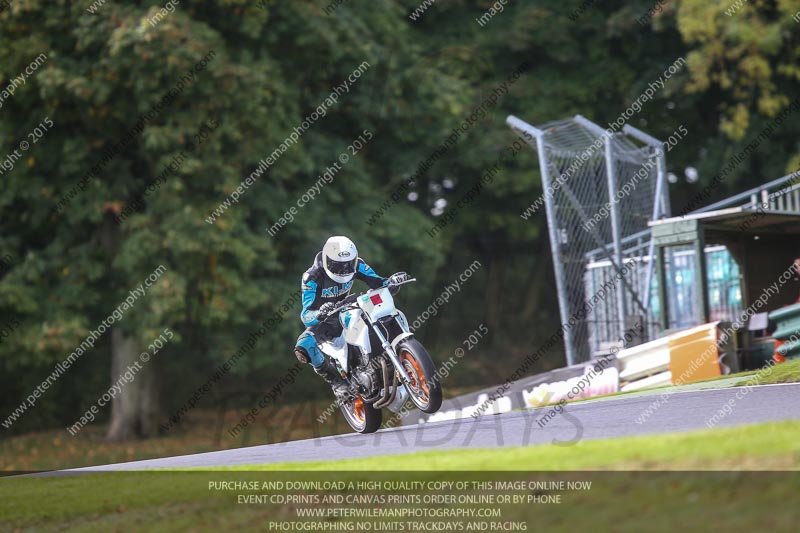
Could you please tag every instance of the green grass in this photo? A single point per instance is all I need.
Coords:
(202, 431)
(626, 497)
(752, 447)
(787, 372)
(634, 501)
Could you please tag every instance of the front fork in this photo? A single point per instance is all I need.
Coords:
(387, 347)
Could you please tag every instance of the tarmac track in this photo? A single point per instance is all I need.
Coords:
(595, 419)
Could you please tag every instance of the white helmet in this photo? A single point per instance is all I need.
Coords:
(339, 259)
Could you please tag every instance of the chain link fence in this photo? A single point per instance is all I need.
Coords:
(600, 191)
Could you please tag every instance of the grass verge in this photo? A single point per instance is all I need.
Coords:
(630, 500)
(770, 446)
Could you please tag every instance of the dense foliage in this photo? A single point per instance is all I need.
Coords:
(171, 117)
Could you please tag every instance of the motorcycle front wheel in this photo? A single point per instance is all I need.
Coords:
(361, 416)
(424, 388)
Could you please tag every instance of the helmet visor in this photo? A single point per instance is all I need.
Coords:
(341, 268)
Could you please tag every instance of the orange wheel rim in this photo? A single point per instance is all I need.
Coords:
(416, 374)
(358, 408)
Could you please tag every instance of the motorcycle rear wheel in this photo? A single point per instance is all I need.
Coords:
(361, 416)
(425, 389)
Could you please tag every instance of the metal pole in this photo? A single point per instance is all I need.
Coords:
(656, 214)
(611, 175)
(520, 125)
(552, 230)
(618, 242)
(558, 264)
(666, 208)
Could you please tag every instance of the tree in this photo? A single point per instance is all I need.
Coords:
(128, 100)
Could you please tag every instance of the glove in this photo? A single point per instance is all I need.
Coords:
(399, 277)
(394, 280)
(325, 310)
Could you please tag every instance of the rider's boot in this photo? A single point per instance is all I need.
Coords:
(332, 377)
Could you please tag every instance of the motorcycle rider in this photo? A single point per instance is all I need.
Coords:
(327, 282)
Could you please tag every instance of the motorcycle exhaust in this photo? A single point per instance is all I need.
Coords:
(388, 397)
(385, 371)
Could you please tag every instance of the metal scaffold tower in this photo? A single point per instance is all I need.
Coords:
(600, 190)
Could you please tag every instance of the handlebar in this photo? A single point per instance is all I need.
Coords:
(353, 298)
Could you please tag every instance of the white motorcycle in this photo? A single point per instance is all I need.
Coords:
(382, 361)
